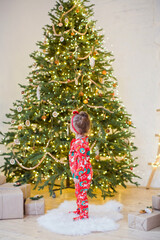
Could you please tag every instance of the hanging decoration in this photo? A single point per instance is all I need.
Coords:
(60, 8)
(38, 93)
(27, 122)
(12, 161)
(13, 121)
(55, 114)
(97, 150)
(16, 141)
(19, 109)
(92, 62)
(61, 39)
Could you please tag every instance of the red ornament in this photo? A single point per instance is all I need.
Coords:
(68, 80)
(31, 80)
(131, 168)
(22, 92)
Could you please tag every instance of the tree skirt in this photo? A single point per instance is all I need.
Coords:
(102, 218)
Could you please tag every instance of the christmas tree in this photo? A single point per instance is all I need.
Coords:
(71, 71)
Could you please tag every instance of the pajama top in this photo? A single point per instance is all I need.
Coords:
(79, 159)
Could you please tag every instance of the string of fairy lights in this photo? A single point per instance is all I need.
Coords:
(86, 86)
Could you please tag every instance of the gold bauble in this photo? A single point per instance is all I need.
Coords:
(85, 101)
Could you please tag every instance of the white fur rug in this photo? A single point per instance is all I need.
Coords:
(101, 218)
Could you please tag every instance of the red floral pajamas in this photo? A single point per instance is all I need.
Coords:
(81, 170)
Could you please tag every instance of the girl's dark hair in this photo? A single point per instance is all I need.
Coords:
(82, 122)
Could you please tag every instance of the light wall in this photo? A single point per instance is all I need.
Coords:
(132, 32)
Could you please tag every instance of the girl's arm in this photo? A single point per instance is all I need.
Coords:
(81, 153)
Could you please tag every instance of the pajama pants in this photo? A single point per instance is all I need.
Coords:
(81, 189)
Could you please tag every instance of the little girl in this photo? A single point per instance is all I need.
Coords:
(80, 165)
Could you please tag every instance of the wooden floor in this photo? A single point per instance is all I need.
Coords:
(132, 199)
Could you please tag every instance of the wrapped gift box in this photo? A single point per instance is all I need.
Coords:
(25, 188)
(11, 203)
(2, 179)
(34, 207)
(156, 202)
(144, 221)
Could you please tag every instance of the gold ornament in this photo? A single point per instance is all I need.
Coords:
(85, 101)
(97, 90)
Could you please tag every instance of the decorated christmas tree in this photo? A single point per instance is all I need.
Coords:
(71, 71)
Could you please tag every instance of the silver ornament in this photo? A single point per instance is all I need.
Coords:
(38, 93)
(92, 62)
(61, 39)
(54, 114)
(19, 109)
(27, 123)
(12, 161)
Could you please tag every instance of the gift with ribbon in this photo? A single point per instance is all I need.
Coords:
(35, 206)
(25, 188)
(144, 221)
